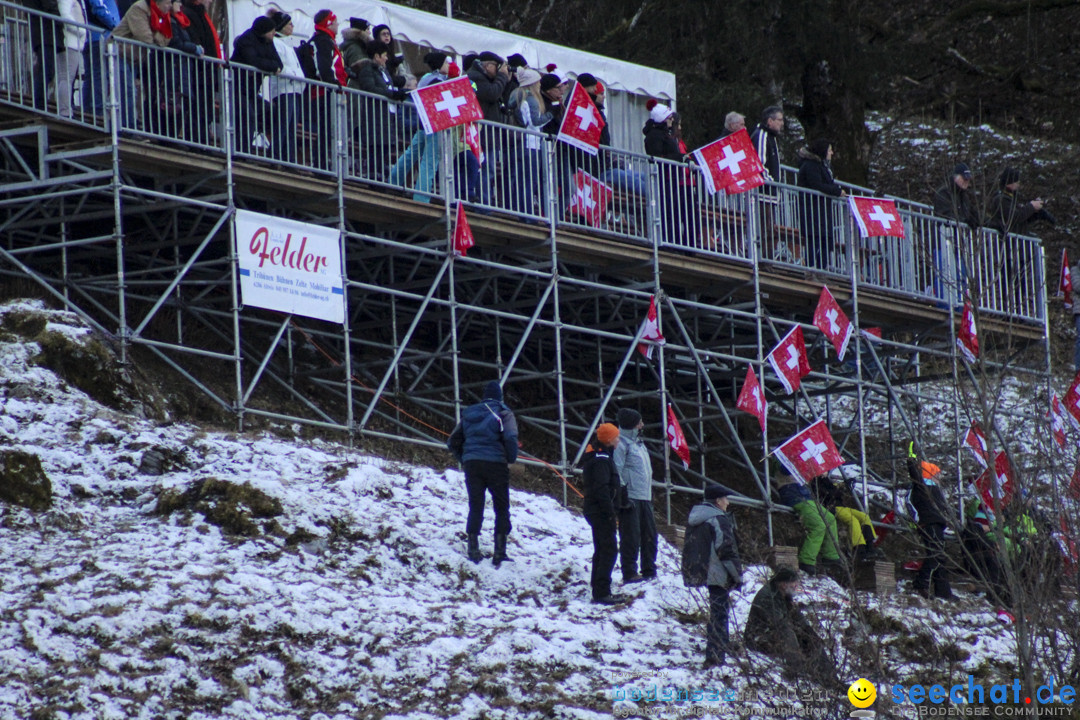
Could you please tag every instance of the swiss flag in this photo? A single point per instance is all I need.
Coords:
(728, 161)
(1065, 282)
(876, 217)
(1002, 475)
(447, 104)
(788, 360)
(472, 140)
(751, 400)
(741, 186)
(676, 438)
(581, 123)
(650, 330)
(831, 320)
(810, 453)
(1072, 400)
(1057, 421)
(975, 439)
(967, 338)
(463, 239)
(591, 198)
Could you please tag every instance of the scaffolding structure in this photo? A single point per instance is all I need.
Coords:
(135, 234)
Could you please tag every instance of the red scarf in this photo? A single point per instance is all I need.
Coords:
(213, 31)
(159, 21)
(181, 19)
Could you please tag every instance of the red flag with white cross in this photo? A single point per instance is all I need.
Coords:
(676, 438)
(1072, 400)
(810, 453)
(728, 161)
(581, 122)
(832, 322)
(967, 339)
(876, 217)
(650, 330)
(591, 198)
(1057, 421)
(463, 237)
(1001, 475)
(748, 183)
(1065, 281)
(472, 140)
(975, 440)
(750, 398)
(788, 360)
(447, 104)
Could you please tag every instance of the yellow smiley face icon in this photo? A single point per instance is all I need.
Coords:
(862, 693)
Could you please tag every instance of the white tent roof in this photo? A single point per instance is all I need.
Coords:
(446, 34)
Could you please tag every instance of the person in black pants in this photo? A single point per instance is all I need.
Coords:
(602, 488)
(929, 503)
(486, 443)
(725, 569)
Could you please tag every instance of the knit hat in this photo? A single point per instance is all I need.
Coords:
(263, 25)
(454, 71)
(607, 434)
(660, 113)
(929, 470)
(281, 19)
(517, 60)
(359, 24)
(717, 491)
(378, 29)
(628, 418)
(435, 59)
(586, 80)
(527, 76)
(493, 391)
(549, 81)
(962, 169)
(1009, 176)
(488, 56)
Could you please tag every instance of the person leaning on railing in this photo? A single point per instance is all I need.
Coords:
(147, 22)
(69, 62)
(376, 126)
(286, 91)
(815, 211)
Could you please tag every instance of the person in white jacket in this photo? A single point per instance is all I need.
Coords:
(285, 91)
(69, 62)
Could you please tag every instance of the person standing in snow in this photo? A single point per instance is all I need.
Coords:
(637, 526)
(932, 514)
(725, 569)
(485, 442)
(602, 490)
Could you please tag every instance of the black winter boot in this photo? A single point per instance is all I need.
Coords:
(474, 548)
(500, 550)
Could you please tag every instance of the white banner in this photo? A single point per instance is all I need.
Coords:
(290, 266)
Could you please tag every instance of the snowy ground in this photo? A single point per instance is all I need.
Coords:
(108, 610)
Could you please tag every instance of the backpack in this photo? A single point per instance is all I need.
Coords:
(305, 53)
(696, 554)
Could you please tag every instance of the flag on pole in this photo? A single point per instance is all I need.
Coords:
(830, 319)
(810, 453)
(463, 237)
(446, 105)
(728, 161)
(1001, 475)
(975, 439)
(1057, 421)
(1065, 282)
(788, 360)
(472, 140)
(750, 399)
(676, 438)
(967, 338)
(876, 217)
(1072, 400)
(581, 123)
(591, 198)
(651, 331)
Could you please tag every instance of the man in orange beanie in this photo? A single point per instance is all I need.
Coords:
(601, 493)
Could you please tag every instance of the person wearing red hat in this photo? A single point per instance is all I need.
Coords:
(601, 482)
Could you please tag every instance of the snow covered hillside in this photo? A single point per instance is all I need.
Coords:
(262, 577)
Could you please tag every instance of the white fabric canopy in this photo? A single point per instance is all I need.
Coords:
(459, 37)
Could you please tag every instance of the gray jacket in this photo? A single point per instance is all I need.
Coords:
(632, 462)
(725, 567)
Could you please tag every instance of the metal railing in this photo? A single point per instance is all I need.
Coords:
(221, 107)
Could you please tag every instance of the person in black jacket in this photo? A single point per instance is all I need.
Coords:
(206, 77)
(660, 142)
(931, 508)
(1008, 214)
(255, 48)
(816, 211)
(956, 200)
(601, 482)
(46, 35)
(766, 140)
(375, 116)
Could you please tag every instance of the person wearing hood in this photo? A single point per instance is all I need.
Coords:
(485, 442)
(725, 568)
(817, 211)
(637, 526)
(354, 41)
(255, 48)
(601, 483)
(931, 514)
(777, 627)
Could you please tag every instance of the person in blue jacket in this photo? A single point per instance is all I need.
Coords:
(104, 15)
(485, 442)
